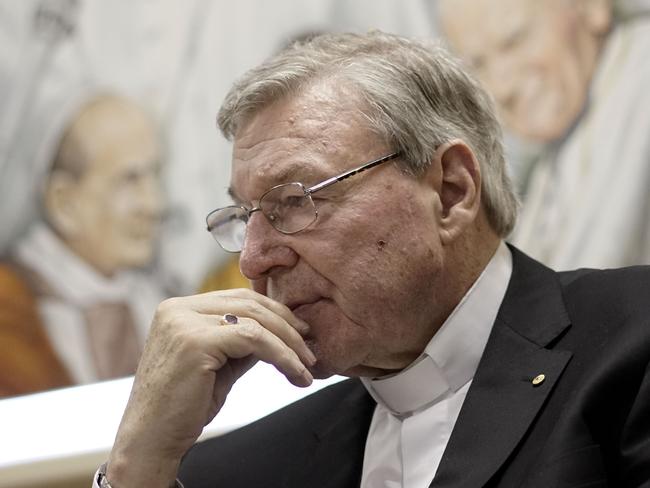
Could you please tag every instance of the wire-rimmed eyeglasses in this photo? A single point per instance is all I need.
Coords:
(288, 207)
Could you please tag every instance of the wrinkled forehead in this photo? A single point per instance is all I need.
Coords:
(305, 138)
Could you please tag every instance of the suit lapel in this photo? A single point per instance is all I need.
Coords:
(503, 402)
(334, 456)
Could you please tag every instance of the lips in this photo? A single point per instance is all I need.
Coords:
(294, 305)
(310, 312)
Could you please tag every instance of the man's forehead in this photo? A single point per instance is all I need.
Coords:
(282, 149)
(306, 139)
(311, 117)
(249, 179)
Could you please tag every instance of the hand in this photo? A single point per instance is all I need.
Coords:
(190, 362)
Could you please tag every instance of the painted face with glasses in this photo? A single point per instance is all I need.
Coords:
(289, 208)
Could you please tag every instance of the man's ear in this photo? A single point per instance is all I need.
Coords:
(456, 173)
(60, 203)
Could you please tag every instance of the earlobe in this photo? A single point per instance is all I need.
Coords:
(460, 189)
(59, 203)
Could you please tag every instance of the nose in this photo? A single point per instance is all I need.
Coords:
(265, 250)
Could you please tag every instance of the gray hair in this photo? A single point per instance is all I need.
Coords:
(415, 95)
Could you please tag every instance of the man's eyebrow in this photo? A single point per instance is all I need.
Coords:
(308, 176)
(233, 196)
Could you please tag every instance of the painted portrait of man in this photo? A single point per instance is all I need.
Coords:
(74, 304)
(570, 77)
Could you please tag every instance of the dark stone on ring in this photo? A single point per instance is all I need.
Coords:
(230, 318)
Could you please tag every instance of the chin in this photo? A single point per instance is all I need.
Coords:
(321, 372)
(339, 344)
(336, 362)
(323, 368)
(330, 361)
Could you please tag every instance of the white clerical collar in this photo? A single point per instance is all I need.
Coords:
(73, 279)
(451, 358)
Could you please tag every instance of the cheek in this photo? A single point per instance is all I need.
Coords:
(89, 215)
(108, 224)
(384, 257)
(120, 213)
(379, 268)
(122, 204)
(554, 48)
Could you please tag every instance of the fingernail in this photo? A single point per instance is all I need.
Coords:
(303, 327)
(311, 359)
(309, 379)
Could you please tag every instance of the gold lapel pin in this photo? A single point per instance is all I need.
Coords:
(539, 379)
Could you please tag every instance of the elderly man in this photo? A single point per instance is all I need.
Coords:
(370, 207)
(572, 76)
(74, 306)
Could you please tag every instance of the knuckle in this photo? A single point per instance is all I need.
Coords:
(255, 308)
(167, 306)
(251, 294)
(169, 314)
(220, 293)
(250, 332)
(288, 359)
(284, 308)
(233, 292)
(187, 341)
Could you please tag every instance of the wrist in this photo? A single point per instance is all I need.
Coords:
(137, 460)
(122, 472)
(102, 481)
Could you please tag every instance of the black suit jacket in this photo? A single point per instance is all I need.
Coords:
(586, 425)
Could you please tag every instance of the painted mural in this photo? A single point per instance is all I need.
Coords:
(571, 81)
(110, 159)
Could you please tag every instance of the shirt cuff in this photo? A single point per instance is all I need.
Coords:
(177, 483)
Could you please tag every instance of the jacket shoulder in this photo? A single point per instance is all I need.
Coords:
(620, 290)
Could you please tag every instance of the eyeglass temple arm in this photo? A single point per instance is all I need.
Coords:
(352, 172)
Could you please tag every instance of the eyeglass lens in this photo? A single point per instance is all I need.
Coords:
(287, 207)
(228, 227)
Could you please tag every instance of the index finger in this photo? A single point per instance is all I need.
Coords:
(204, 303)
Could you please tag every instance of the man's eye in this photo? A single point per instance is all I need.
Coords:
(296, 201)
(227, 220)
